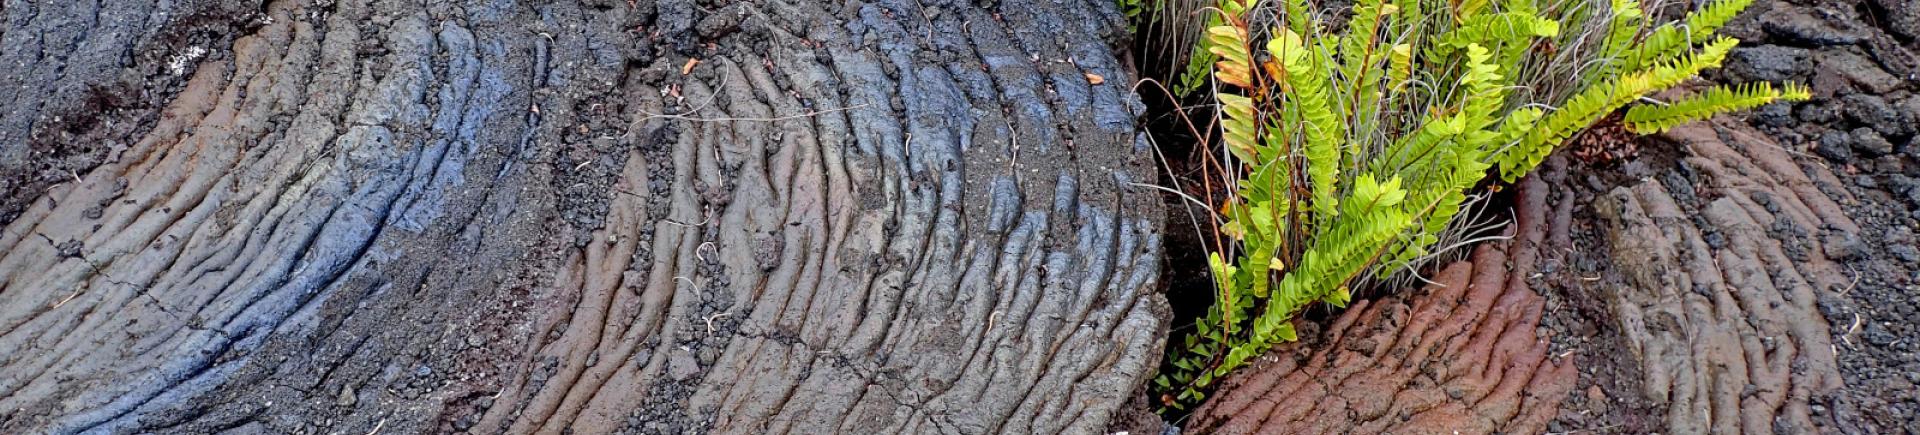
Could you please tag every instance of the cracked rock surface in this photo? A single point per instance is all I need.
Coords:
(599, 216)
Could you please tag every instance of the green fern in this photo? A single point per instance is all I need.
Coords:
(1496, 28)
(1353, 153)
(1595, 102)
(1307, 86)
(1646, 119)
(1709, 19)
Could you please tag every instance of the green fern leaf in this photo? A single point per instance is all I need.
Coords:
(1647, 118)
(1491, 29)
(1239, 125)
(1597, 101)
(1307, 82)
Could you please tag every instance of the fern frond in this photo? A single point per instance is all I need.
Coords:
(1235, 65)
(1486, 89)
(1468, 9)
(1358, 146)
(1671, 73)
(1307, 82)
(1623, 27)
(1671, 40)
(1400, 65)
(1239, 125)
(1491, 29)
(1199, 64)
(1597, 101)
(1299, 17)
(1372, 218)
(1362, 51)
(1665, 41)
(1702, 23)
(1453, 157)
(1412, 17)
(1648, 118)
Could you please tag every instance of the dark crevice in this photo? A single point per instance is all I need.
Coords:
(1174, 126)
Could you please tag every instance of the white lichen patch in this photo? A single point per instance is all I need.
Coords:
(178, 63)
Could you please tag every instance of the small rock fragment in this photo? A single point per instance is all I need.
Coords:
(1844, 246)
(1906, 253)
(1859, 70)
(1767, 63)
(70, 248)
(1870, 143)
(1877, 335)
(1873, 111)
(1795, 25)
(1903, 19)
(1835, 146)
(1818, 113)
(1775, 114)
(681, 365)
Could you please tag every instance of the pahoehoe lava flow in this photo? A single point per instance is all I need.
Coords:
(597, 216)
(918, 216)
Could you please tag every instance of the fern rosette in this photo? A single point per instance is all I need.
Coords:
(1354, 151)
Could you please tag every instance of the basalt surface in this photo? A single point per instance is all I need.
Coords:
(358, 216)
(1711, 289)
(1771, 257)
(897, 216)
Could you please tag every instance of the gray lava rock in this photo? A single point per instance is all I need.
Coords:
(1818, 113)
(1844, 246)
(347, 398)
(1767, 63)
(681, 365)
(1897, 183)
(1905, 253)
(1878, 335)
(1909, 110)
(1902, 17)
(1775, 114)
(1873, 111)
(1795, 25)
(1870, 143)
(1835, 146)
(1859, 71)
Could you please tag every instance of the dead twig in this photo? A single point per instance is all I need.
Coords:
(711, 318)
(1851, 330)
